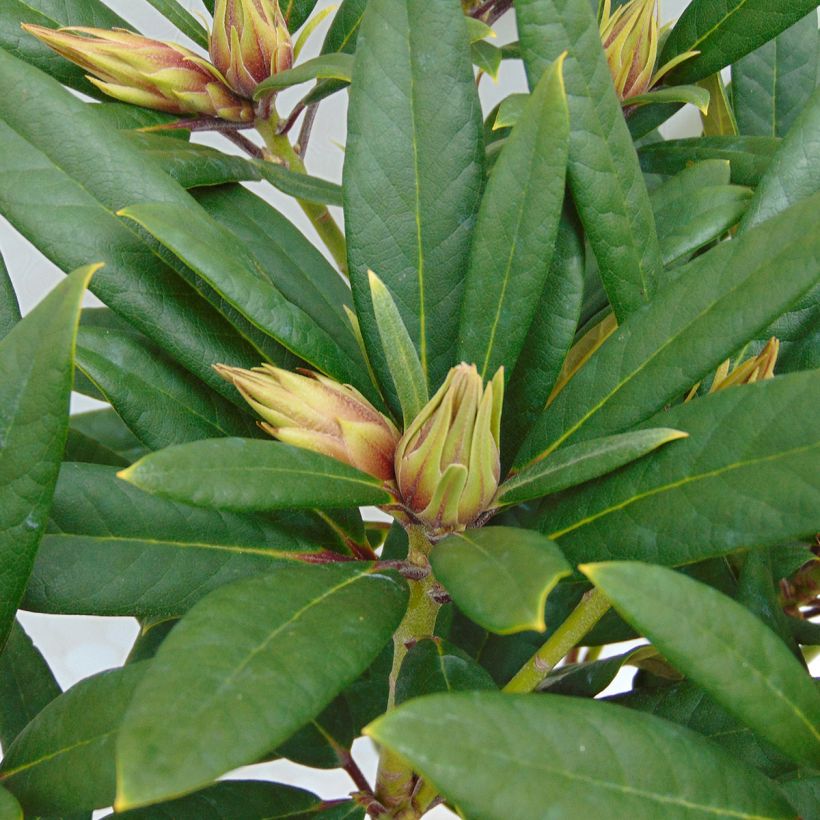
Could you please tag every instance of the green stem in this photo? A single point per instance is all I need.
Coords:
(280, 148)
(395, 781)
(592, 608)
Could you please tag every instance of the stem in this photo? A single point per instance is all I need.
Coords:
(593, 606)
(395, 781)
(279, 147)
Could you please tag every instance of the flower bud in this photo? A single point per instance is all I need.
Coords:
(316, 413)
(630, 38)
(250, 42)
(448, 460)
(150, 73)
(758, 368)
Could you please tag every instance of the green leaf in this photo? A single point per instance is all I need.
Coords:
(710, 173)
(486, 57)
(713, 307)
(113, 550)
(400, 354)
(722, 647)
(89, 173)
(287, 644)
(803, 793)
(498, 756)
(301, 186)
(771, 86)
(9, 309)
(727, 487)
(207, 248)
(237, 800)
(548, 340)
(749, 156)
(719, 119)
(79, 447)
(413, 172)
(324, 67)
(107, 429)
(604, 176)
(516, 229)
(296, 12)
(36, 364)
(686, 94)
(344, 30)
(26, 685)
(9, 807)
(687, 704)
(723, 31)
(510, 111)
(433, 665)
(500, 576)
(246, 475)
(63, 761)
(582, 462)
(184, 21)
(322, 742)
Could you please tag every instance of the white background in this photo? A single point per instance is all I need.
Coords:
(80, 646)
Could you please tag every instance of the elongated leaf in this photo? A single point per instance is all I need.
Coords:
(606, 182)
(301, 186)
(107, 428)
(287, 643)
(710, 173)
(26, 685)
(413, 172)
(296, 12)
(113, 550)
(9, 309)
(63, 761)
(723, 31)
(689, 705)
(750, 490)
(691, 94)
(719, 119)
(771, 85)
(582, 462)
(749, 156)
(36, 364)
(184, 21)
(400, 355)
(721, 299)
(500, 576)
(246, 475)
(433, 665)
(725, 649)
(79, 447)
(237, 800)
(499, 756)
(803, 793)
(516, 230)
(548, 339)
(89, 173)
(9, 807)
(324, 67)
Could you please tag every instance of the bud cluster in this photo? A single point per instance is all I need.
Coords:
(249, 43)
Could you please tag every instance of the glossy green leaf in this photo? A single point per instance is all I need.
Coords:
(90, 173)
(500, 576)
(235, 273)
(803, 793)
(9, 309)
(343, 31)
(63, 761)
(36, 364)
(510, 110)
(9, 807)
(433, 665)
(498, 756)
(582, 462)
(108, 429)
(403, 363)
(604, 176)
(516, 230)
(723, 31)
(246, 475)
(719, 119)
(749, 156)
(113, 550)
(727, 487)
(687, 94)
(771, 85)
(321, 742)
(548, 340)
(714, 305)
(80, 447)
(237, 800)
(725, 649)
(27, 685)
(160, 401)
(301, 186)
(296, 11)
(287, 644)
(413, 172)
(690, 706)
(710, 173)
(324, 67)
(184, 21)
(486, 57)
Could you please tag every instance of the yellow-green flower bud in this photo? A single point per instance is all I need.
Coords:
(309, 410)
(250, 42)
(150, 73)
(448, 460)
